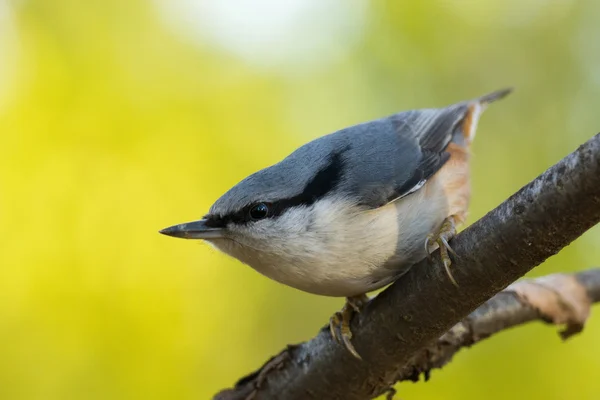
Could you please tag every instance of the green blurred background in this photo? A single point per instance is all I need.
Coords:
(118, 118)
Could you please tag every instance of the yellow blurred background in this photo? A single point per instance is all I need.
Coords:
(118, 118)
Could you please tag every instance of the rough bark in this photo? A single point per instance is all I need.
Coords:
(530, 226)
(510, 308)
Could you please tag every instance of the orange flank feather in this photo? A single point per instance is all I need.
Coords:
(455, 183)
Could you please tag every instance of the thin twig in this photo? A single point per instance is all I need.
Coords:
(503, 311)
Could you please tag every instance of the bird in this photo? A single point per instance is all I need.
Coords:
(350, 212)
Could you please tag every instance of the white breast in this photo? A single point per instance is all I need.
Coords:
(337, 249)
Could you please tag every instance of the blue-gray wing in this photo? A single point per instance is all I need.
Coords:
(393, 157)
(372, 163)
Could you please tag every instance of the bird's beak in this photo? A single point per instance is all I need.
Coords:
(193, 230)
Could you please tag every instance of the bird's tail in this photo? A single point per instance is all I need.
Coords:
(474, 110)
(492, 97)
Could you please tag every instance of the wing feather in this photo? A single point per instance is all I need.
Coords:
(423, 136)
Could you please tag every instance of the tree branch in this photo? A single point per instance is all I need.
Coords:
(505, 310)
(532, 225)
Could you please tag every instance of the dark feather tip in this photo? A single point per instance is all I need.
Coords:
(497, 95)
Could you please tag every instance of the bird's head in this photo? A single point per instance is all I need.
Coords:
(271, 208)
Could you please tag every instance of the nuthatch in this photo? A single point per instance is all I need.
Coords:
(352, 211)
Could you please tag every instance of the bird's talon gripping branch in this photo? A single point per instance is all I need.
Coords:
(358, 302)
(334, 323)
(447, 246)
(446, 233)
(355, 307)
(339, 323)
(428, 240)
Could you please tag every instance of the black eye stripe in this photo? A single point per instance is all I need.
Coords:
(322, 183)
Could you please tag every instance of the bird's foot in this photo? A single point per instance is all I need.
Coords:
(339, 323)
(440, 239)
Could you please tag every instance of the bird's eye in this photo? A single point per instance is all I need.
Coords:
(259, 211)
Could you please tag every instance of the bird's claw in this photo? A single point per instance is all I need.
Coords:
(339, 323)
(445, 234)
(334, 323)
